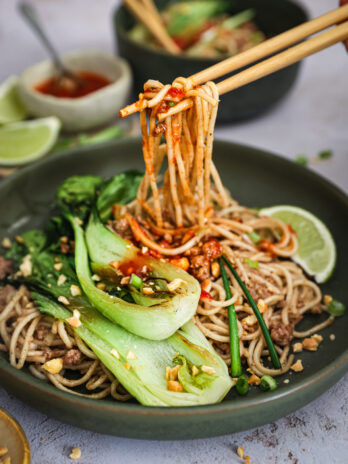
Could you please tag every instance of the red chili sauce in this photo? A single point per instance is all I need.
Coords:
(67, 88)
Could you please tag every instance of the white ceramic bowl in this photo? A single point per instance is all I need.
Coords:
(86, 112)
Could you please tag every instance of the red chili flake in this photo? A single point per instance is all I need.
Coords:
(206, 295)
(174, 92)
(267, 245)
(291, 230)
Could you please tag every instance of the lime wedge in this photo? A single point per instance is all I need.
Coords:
(11, 108)
(22, 142)
(316, 248)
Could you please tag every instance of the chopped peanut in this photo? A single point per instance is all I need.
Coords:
(127, 366)
(262, 306)
(115, 264)
(215, 269)
(297, 347)
(75, 290)
(240, 452)
(26, 267)
(62, 299)
(148, 291)
(327, 299)
(101, 286)
(174, 373)
(95, 277)
(182, 263)
(19, 239)
(6, 243)
(254, 380)
(58, 266)
(61, 280)
(125, 280)
(195, 370)
(332, 337)
(250, 320)
(208, 370)
(317, 337)
(167, 373)
(53, 366)
(297, 366)
(115, 353)
(174, 386)
(64, 239)
(74, 322)
(310, 344)
(175, 284)
(131, 355)
(75, 454)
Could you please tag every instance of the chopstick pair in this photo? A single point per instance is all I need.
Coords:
(337, 18)
(146, 12)
(236, 367)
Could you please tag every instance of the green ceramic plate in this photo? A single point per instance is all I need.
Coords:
(255, 178)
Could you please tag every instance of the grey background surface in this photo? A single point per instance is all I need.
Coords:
(312, 118)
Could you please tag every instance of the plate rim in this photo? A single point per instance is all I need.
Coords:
(325, 377)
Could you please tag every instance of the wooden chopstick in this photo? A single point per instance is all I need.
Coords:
(270, 46)
(286, 58)
(146, 15)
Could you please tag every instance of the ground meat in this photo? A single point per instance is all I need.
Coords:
(259, 291)
(212, 249)
(41, 332)
(200, 267)
(160, 128)
(282, 334)
(6, 294)
(5, 267)
(193, 251)
(64, 248)
(51, 354)
(72, 357)
(121, 227)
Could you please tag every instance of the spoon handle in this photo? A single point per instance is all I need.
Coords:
(30, 14)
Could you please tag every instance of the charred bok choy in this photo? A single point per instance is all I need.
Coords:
(155, 315)
(182, 370)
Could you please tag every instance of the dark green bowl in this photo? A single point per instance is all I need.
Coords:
(255, 178)
(272, 17)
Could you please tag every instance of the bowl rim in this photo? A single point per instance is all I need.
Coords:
(123, 32)
(124, 77)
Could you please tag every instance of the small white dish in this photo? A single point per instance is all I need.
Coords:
(86, 112)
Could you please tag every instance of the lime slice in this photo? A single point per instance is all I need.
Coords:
(21, 142)
(316, 248)
(11, 108)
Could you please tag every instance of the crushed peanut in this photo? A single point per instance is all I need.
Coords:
(96, 278)
(62, 299)
(175, 284)
(144, 250)
(75, 454)
(174, 373)
(297, 366)
(250, 320)
(6, 242)
(182, 263)
(167, 373)
(174, 386)
(215, 269)
(19, 239)
(254, 380)
(127, 366)
(53, 366)
(74, 322)
(297, 347)
(310, 344)
(75, 290)
(64, 239)
(25, 269)
(148, 291)
(240, 451)
(115, 264)
(195, 370)
(58, 266)
(332, 337)
(262, 306)
(125, 280)
(61, 280)
(327, 299)
(286, 381)
(115, 353)
(317, 337)
(101, 286)
(208, 370)
(131, 355)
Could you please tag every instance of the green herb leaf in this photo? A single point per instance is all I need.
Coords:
(252, 264)
(302, 159)
(325, 154)
(336, 308)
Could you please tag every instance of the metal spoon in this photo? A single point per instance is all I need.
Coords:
(30, 14)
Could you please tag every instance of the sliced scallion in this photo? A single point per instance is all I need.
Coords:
(236, 366)
(268, 383)
(266, 334)
(336, 308)
(252, 264)
(242, 385)
(254, 237)
(136, 281)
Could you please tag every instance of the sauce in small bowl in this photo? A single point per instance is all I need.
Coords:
(62, 87)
